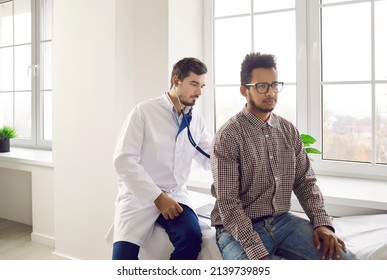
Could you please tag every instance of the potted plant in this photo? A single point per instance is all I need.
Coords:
(308, 140)
(6, 133)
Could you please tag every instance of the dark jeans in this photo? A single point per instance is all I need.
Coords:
(183, 231)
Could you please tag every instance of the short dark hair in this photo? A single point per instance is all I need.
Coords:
(182, 68)
(253, 61)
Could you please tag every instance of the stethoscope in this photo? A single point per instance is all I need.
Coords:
(190, 138)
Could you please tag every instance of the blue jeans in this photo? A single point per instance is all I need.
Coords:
(286, 236)
(183, 231)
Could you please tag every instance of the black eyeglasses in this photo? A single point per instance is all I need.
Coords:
(263, 88)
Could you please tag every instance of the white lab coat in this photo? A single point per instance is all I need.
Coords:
(150, 159)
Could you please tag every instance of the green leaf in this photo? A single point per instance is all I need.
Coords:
(7, 132)
(313, 151)
(307, 140)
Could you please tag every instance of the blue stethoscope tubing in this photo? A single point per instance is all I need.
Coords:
(191, 140)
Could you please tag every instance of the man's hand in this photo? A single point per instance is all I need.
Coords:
(331, 243)
(168, 207)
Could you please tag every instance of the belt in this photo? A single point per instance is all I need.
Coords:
(256, 220)
(253, 221)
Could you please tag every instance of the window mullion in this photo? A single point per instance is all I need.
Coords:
(314, 65)
(302, 67)
(34, 95)
(373, 88)
(13, 66)
(208, 99)
(252, 24)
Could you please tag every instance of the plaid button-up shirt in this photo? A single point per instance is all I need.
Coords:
(256, 165)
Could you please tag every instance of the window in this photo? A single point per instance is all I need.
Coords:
(237, 28)
(334, 72)
(25, 70)
(349, 86)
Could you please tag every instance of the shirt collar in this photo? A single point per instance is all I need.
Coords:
(272, 121)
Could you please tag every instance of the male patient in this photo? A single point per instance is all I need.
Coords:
(257, 161)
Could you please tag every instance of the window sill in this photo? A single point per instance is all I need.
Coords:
(350, 192)
(28, 156)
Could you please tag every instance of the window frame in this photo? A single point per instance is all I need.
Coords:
(208, 108)
(336, 167)
(37, 140)
(308, 81)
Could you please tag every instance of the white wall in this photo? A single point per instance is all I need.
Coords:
(107, 57)
(186, 34)
(185, 30)
(141, 53)
(125, 59)
(15, 195)
(84, 129)
(27, 192)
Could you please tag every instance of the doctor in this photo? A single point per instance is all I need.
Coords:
(153, 158)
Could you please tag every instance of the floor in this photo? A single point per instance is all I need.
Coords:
(16, 244)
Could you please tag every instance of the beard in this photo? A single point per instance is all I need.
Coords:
(259, 108)
(186, 103)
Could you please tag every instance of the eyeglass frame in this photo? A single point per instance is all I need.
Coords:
(268, 86)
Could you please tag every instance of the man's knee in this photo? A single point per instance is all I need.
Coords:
(189, 237)
(187, 244)
(123, 250)
(347, 256)
(229, 247)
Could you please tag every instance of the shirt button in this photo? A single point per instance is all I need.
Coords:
(271, 157)
(266, 135)
(276, 178)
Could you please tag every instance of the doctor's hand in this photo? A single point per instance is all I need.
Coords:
(331, 244)
(168, 207)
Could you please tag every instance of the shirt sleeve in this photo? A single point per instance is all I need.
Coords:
(306, 189)
(126, 159)
(225, 169)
